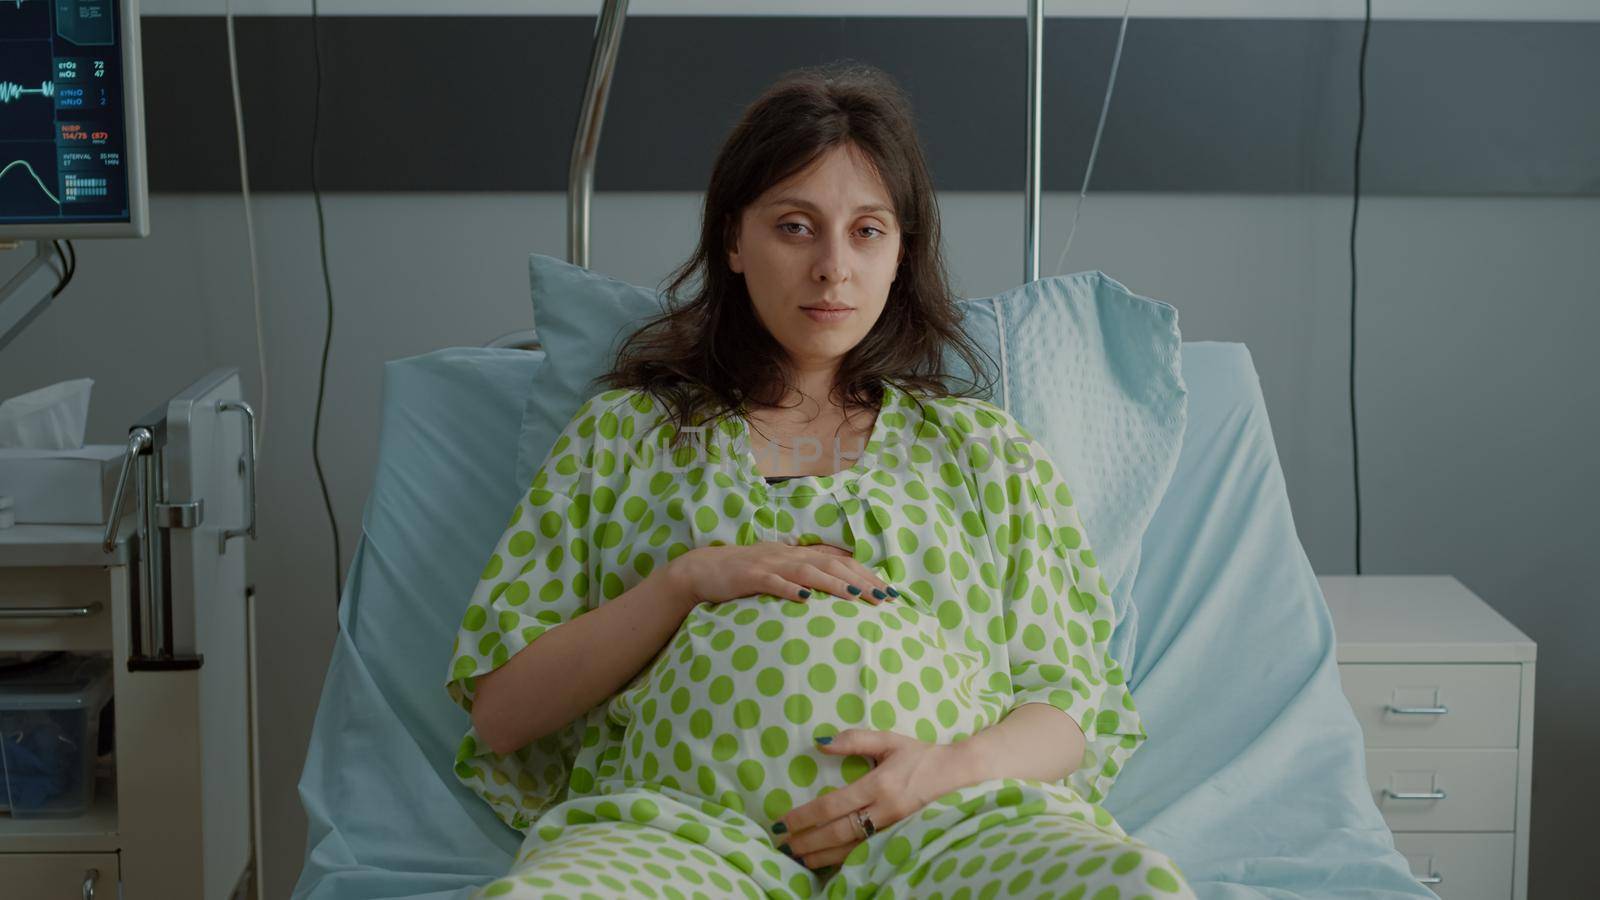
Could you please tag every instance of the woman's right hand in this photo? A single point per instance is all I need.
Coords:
(722, 573)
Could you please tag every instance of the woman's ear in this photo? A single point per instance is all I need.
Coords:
(731, 238)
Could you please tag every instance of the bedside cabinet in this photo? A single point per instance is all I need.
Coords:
(162, 598)
(1443, 688)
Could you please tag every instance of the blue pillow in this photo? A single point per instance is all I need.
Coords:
(1089, 368)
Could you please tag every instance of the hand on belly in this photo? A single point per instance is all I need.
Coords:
(731, 708)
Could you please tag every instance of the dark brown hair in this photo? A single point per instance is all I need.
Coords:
(706, 356)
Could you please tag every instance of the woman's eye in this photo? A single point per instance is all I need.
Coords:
(783, 225)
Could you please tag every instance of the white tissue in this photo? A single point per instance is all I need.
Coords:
(50, 418)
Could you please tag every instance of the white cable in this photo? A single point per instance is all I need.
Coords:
(252, 658)
(249, 228)
(1105, 105)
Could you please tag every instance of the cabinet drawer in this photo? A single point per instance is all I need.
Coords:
(1468, 866)
(1479, 787)
(55, 609)
(1441, 705)
(91, 876)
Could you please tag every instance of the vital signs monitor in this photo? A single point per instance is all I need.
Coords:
(71, 114)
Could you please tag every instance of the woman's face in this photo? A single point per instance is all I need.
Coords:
(818, 253)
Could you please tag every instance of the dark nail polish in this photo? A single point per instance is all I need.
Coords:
(877, 593)
(779, 828)
(825, 739)
(804, 593)
(853, 589)
(789, 853)
(893, 592)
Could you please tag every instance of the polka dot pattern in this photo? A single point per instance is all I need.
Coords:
(791, 673)
(999, 838)
(953, 503)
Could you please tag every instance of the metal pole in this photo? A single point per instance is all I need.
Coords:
(1030, 258)
(580, 175)
(17, 310)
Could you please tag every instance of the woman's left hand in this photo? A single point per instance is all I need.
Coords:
(909, 773)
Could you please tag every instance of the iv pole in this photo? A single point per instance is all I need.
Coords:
(585, 143)
(586, 140)
(1031, 187)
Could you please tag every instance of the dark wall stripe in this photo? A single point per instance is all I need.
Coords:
(481, 103)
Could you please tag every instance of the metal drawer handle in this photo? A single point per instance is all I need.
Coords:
(49, 612)
(1409, 795)
(89, 879)
(1417, 710)
(1433, 878)
(248, 464)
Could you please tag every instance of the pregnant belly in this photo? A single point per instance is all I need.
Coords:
(731, 707)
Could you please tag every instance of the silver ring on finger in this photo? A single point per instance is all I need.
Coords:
(863, 824)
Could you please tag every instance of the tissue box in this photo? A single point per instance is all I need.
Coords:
(61, 487)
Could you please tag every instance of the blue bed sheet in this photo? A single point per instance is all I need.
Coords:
(1253, 778)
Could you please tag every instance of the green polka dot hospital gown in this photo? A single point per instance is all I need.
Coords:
(669, 789)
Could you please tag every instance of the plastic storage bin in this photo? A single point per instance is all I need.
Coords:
(49, 732)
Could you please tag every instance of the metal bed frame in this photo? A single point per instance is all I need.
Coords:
(586, 142)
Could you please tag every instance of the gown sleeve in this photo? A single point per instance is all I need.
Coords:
(1058, 613)
(537, 577)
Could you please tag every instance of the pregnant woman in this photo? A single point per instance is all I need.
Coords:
(783, 613)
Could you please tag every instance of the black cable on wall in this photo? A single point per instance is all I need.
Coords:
(327, 284)
(1355, 209)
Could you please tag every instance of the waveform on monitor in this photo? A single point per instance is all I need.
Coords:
(10, 91)
(24, 164)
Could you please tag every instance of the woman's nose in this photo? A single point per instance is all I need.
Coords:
(831, 264)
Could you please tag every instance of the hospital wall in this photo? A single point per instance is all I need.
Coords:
(1476, 385)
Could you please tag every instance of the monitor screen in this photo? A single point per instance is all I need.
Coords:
(71, 142)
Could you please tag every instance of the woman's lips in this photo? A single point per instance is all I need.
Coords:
(826, 316)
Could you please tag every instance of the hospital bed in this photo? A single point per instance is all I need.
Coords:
(1253, 780)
